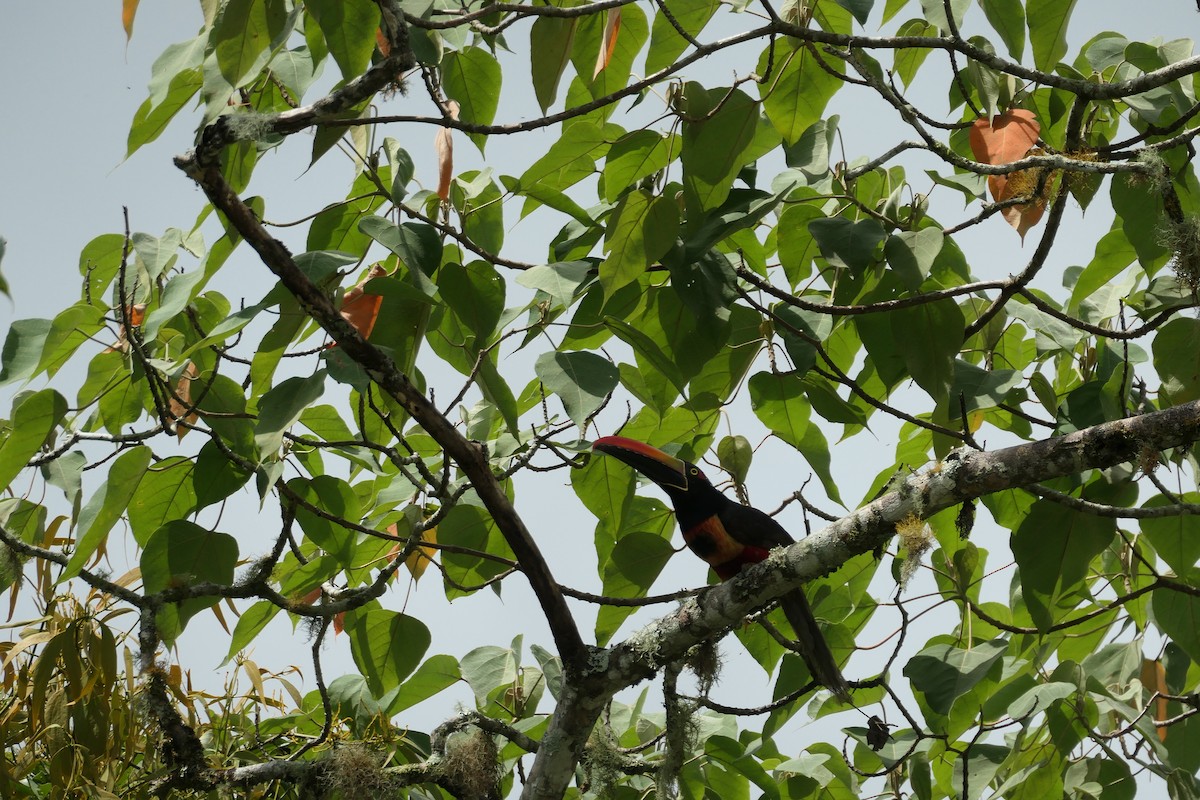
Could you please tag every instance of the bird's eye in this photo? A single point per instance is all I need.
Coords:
(695, 471)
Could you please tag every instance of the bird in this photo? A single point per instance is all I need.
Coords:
(728, 536)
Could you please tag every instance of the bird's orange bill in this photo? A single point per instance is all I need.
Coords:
(663, 469)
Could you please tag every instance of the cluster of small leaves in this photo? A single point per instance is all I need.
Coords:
(709, 260)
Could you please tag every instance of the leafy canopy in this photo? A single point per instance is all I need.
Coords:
(708, 264)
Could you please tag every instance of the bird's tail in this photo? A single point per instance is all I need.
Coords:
(812, 645)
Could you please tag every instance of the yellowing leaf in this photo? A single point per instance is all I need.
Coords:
(420, 558)
(1154, 679)
(608, 42)
(128, 12)
(180, 403)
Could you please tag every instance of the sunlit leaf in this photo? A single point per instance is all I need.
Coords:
(386, 646)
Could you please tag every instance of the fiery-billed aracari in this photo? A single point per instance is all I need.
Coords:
(728, 535)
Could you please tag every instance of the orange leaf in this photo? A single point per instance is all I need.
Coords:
(128, 12)
(1154, 679)
(608, 43)
(1006, 137)
(135, 313)
(1003, 139)
(180, 403)
(361, 309)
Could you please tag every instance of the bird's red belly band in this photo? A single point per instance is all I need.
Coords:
(725, 554)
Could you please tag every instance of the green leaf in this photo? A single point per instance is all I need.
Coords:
(471, 528)
(847, 244)
(1176, 350)
(582, 380)
(542, 194)
(982, 388)
(561, 280)
(943, 673)
(240, 38)
(349, 27)
(486, 669)
(935, 12)
(909, 59)
(476, 295)
(73, 327)
(178, 292)
(386, 646)
(707, 285)
(735, 454)
(742, 209)
(1053, 547)
(151, 118)
(181, 553)
(281, 407)
(34, 420)
(928, 337)
(1174, 537)
(1177, 615)
(810, 153)
(733, 754)
(977, 767)
(337, 227)
(497, 392)
(641, 231)
(402, 169)
(911, 254)
(1113, 254)
(419, 246)
(778, 401)
(249, 625)
(550, 42)
(799, 89)
(1008, 19)
(436, 674)
(797, 245)
(721, 134)
(23, 349)
(582, 143)
(634, 564)
(337, 501)
(477, 197)
(1048, 31)
(165, 493)
(633, 157)
(66, 472)
(648, 349)
(666, 43)
(215, 476)
(892, 8)
(106, 506)
(472, 77)
(815, 449)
